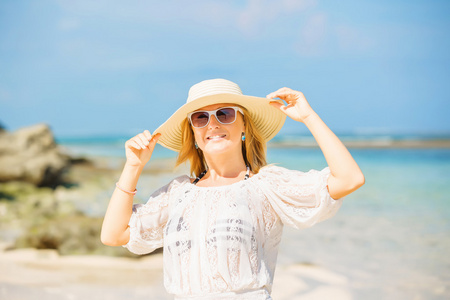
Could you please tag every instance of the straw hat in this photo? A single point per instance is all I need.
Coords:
(266, 118)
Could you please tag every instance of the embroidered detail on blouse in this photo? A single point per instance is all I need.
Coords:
(225, 239)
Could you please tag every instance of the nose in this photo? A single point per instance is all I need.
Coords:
(213, 123)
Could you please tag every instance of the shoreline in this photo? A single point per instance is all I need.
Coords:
(311, 274)
(369, 144)
(93, 148)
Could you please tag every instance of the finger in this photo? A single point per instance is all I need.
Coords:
(278, 105)
(143, 139)
(280, 92)
(281, 106)
(283, 94)
(155, 138)
(272, 95)
(153, 141)
(133, 144)
(138, 141)
(147, 135)
(280, 95)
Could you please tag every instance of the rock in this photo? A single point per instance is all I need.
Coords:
(30, 154)
(45, 218)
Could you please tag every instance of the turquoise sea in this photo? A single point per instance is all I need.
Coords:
(391, 238)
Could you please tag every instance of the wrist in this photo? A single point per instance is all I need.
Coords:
(311, 119)
(126, 191)
(132, 170)
(129, 177)
(134, 166)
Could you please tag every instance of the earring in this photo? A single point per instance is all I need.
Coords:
(243, 137)
(196, 146)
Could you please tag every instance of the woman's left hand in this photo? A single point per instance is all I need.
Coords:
(297, 108)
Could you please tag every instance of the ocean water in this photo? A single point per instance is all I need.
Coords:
(391, 238)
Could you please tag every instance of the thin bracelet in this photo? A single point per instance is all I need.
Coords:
(128, 192)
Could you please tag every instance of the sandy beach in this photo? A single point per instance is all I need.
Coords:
(78, 79)
(43, 274)
(374, 248)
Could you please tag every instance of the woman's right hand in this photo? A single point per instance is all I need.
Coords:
(139, 149)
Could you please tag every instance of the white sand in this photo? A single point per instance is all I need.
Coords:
(44, 275)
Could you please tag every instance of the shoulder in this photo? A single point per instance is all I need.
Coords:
(173, 185)
(273, 173)
(274, 170)
(270, 174)
(179, 181)
(271, 168)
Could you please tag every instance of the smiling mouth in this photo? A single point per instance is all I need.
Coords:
(216, 137)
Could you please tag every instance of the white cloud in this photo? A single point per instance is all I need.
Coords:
(352, 40)
(298, 5)
(68, 24)
(260, 13)
(82, 54)
(319, 37)
(313, 35)
(248, 19)
(252, 19)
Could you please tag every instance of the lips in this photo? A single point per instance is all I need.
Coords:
(216, 137)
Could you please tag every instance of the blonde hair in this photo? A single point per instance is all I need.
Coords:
(253, 148)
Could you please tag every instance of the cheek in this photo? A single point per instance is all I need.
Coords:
(198, 135)
(238, 132)
(241, 126)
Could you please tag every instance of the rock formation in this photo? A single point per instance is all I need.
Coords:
(30, 154)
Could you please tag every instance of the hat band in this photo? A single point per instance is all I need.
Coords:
(199, 92)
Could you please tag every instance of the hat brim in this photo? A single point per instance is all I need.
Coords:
(266, 118)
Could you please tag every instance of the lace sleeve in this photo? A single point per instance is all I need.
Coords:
(148, 220)
(299, 199)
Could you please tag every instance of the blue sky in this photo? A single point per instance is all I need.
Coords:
(119, 67)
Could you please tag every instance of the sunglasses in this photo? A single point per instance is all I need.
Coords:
(224, 115)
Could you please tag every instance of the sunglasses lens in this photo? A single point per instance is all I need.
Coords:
(226, 115)
(199, 119)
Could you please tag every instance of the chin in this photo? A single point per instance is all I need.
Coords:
(218, 148)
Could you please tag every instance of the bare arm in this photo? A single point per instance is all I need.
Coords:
(115, 230)
(346, 175)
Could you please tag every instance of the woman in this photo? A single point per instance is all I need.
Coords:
(221, 228)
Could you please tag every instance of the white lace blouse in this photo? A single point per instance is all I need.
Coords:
(222, 242)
